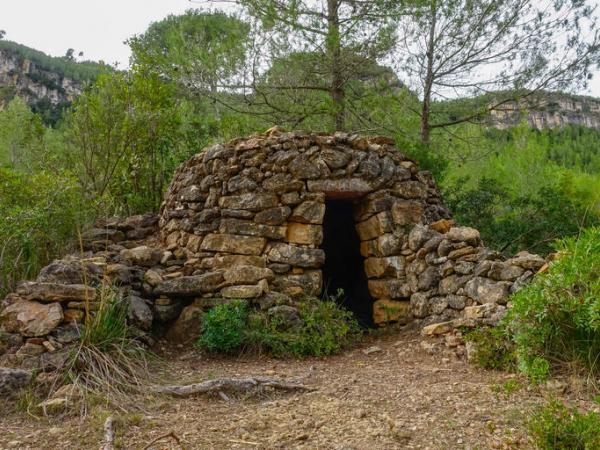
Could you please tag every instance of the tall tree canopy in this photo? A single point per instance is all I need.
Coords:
(204, 51)
(450, 48)
(323, 43)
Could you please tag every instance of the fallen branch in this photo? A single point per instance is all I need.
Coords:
(242, 385)
(109, 434)
(164, 436)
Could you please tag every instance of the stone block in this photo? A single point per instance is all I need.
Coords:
(437, 328)
(484, 290)
(300, 233)
(228, 261)
(249, 228)
(253, 201)
(191, 286)
(410, 189)
(375, 226)
(31, 318)
(142, 256)
(273, 216)
(193, 243)
(368, 207)
(389, 288)
(233, 243)
(407, 212)
(442, 225)
(341, 188)
(385, 311)
(502, 271)
(242, 292)
(390, 266)
(419, 302)
(187, 327)
(309, 283)
(54, 292)
(464, 234)
(309, 212)
(240, 274)
(296, 256)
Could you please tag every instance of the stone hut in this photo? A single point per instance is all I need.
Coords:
(298, 214)
(271, 219)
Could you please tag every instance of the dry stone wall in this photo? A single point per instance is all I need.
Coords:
(250, 213)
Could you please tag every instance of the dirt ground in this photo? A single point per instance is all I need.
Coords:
(391, 392)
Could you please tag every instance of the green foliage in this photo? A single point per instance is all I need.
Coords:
(509, 189)
(126, 135)
(324, 328)
(200, 50)
(510, 222)
(39, 217)
(223, 327)
(556, 427)
(555, 321)
(107, 326)
(492, 348)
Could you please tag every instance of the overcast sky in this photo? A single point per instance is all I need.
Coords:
(98, 28)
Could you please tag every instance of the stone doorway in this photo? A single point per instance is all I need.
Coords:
(344, 265)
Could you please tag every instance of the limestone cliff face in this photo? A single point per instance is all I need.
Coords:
(26, 79)
(549, 111)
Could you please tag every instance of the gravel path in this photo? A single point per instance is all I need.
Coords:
(392, 392)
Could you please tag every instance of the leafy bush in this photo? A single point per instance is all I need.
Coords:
(555, 321)
(511, 222)
(224, 326)
(492, 348)
(39, 217)
(556, 427)
(324, 328)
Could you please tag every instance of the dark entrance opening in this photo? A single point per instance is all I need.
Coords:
(344, 265)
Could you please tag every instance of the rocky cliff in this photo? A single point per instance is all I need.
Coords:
(550, 110)
(25, 78)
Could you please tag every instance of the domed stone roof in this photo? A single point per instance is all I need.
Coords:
(260, 202)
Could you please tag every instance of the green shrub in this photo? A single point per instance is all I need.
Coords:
(324, 328)
(556, 427)
(40, 215)
(555, 321)
(223, 327)
(493, 349)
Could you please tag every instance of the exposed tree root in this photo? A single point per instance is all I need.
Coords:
(170, 435)
(240, 385)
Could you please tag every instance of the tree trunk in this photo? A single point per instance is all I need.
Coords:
(334, 52)
(429, 77)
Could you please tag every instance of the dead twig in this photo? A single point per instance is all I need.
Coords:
(164, 436)
(243, 385)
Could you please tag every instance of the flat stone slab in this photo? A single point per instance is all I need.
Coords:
(190, 286)
(55, 292)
